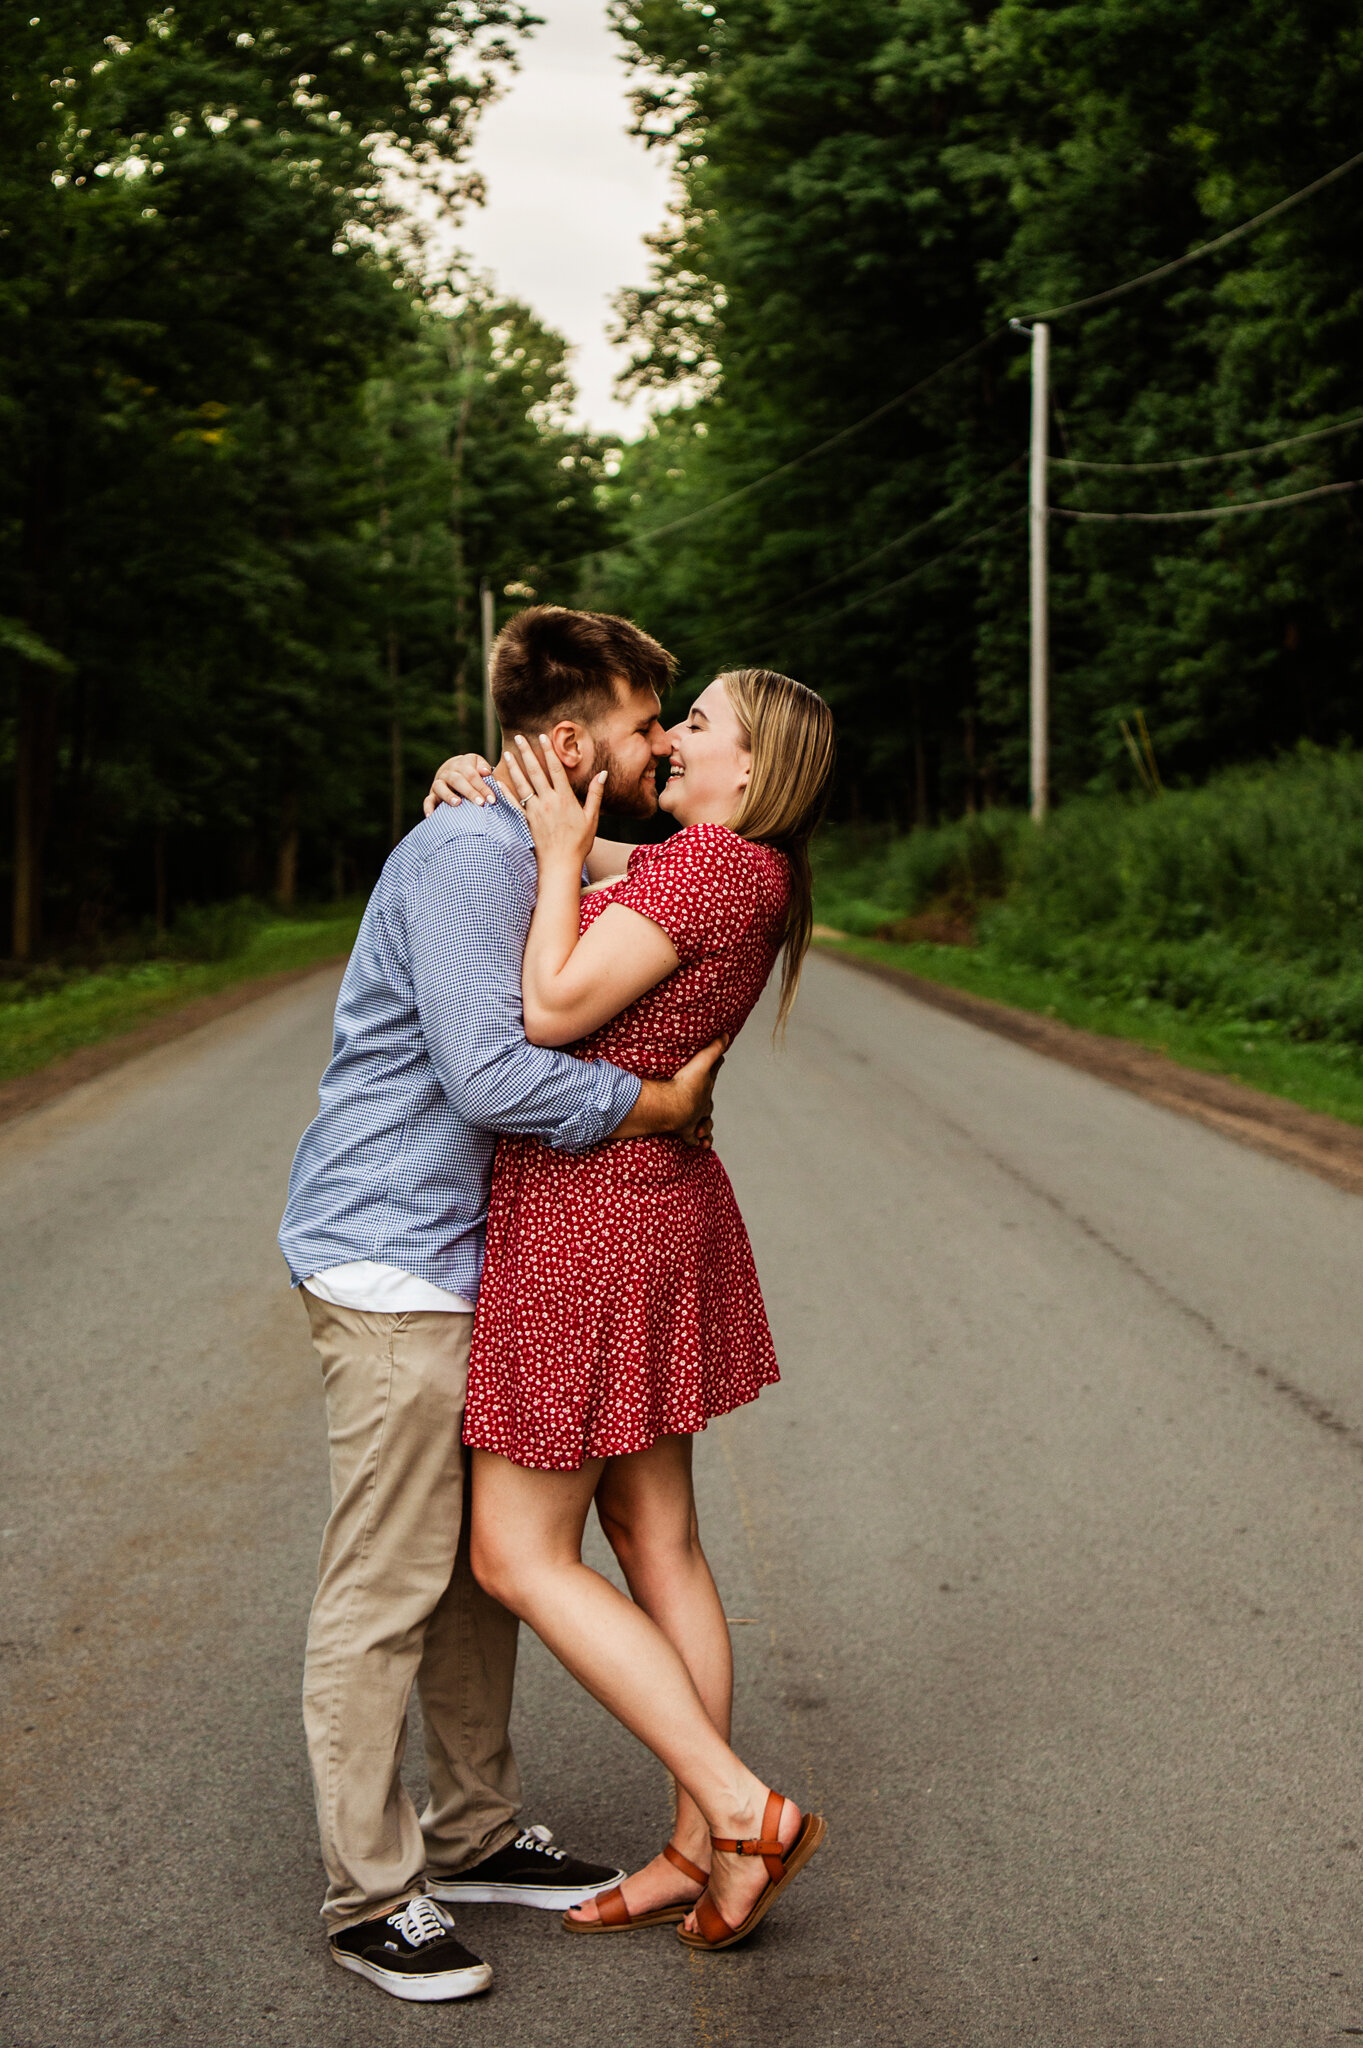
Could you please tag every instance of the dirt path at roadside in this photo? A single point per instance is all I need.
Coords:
(1322, 1144)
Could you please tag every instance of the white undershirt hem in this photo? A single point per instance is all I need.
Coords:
(380, 1290)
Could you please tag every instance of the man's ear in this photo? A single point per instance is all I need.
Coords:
(569, 740)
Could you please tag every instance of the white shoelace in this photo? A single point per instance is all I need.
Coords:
(421, 1920)
(538, 1839)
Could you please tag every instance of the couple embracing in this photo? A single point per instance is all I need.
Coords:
(529, 1286)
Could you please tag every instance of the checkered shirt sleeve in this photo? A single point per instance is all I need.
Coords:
(430, 1062)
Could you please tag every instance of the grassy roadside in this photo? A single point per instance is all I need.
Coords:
(1320, 1076)
(1222, 925)
(39, 1027)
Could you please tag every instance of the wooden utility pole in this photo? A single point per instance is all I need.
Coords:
(1037, 520)
(490, 739)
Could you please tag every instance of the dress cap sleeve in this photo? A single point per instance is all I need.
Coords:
(700, 887)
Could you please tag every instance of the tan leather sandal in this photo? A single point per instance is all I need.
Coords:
(615, 1916)
(712, 1929)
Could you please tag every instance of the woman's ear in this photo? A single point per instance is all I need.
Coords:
(744, 770)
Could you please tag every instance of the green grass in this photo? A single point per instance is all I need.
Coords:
(1223, 925)
(40, 1023)
(1320, 1076)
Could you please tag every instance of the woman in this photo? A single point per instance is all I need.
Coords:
(620, 1308)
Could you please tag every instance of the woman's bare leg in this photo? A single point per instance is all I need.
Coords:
(527, 1538)
(647, 1509)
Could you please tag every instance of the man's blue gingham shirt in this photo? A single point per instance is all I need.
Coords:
(430, 1061)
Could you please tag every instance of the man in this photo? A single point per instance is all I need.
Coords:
(384, 1232)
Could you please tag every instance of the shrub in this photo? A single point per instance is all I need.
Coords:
(866, 877)
(1241, 899)
(1268, 858)
(214, 931)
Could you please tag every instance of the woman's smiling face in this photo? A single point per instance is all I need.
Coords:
(711, 762)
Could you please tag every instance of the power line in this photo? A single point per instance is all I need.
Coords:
(783, 469)
(1200, 461)
(886, 547)
(1065, 512)
(1246, 227)
(956, 362)
(1212, 511)
(886, 589)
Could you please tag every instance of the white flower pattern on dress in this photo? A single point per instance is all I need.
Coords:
(620, 1302)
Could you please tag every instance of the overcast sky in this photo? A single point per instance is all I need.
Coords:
(570, 195)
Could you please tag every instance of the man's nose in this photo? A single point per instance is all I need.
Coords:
(662, 741)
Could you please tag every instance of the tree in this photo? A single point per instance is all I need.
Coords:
(869, 192)
(195, 289)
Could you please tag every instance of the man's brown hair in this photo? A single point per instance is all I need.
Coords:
(550, 663)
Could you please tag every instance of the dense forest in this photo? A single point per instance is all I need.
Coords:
(260, 453)
(258, 458)
(868, 192)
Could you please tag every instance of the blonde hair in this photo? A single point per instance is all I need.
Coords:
(788, 730)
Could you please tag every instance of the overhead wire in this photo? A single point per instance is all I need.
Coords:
(1212, 511)
(784, 468)
(886, 547)
(800, 626)
(1069, 512)
(1201, 461)
(1246, 227)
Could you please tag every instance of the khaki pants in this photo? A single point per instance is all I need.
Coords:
(396, 1604)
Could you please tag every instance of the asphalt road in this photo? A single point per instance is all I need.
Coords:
(1044, 1559)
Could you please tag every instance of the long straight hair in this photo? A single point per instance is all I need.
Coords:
(788, 729)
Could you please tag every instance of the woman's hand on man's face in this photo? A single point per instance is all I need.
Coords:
(561, 827)
(459, 780)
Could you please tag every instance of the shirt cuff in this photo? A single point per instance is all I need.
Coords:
(613, 1095)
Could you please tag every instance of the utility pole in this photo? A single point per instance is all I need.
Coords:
(490, 745)
(1037, 518)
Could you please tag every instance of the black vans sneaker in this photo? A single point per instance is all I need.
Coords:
(412, 1953)
(527, 1872)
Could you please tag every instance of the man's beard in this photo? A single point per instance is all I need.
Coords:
(626, 797)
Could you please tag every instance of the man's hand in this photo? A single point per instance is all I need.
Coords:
(458, 781)
(679, 1108)
(696, 1083)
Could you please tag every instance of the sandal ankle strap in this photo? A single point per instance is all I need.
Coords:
(768, 1844)
(685, 1865)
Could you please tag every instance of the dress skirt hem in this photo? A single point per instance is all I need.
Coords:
(626, 1449)
(620, 1304)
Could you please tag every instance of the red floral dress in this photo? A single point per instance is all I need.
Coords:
(619, 1300)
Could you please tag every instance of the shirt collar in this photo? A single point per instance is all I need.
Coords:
(514, 813)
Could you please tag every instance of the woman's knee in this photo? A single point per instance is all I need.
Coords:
(495, 1567)
(645, 1541)
(517, 1568)
(524, 1527)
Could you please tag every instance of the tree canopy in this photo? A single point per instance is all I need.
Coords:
(869, 191)
(256, 466)
(259, 460)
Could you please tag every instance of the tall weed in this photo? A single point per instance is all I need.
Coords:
(1241, 899)
(867, 876)
(1268, 858)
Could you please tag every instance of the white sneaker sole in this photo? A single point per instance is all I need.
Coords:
(552, 1898)
(433, 1990)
